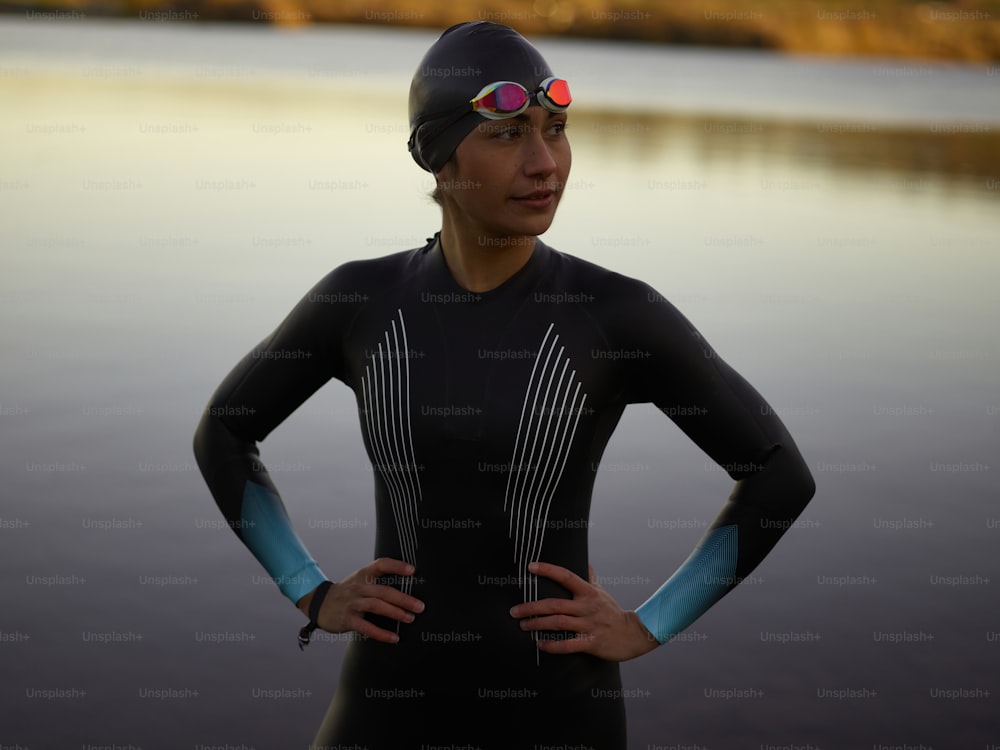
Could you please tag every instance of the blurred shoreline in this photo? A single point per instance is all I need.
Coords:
(915, 121)
(966, 31)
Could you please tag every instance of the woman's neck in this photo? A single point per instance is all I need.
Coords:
(480, 262)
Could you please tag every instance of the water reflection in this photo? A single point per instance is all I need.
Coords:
(963, 154)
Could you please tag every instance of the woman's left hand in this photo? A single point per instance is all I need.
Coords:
(603, 628)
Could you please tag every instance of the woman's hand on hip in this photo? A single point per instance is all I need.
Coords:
(346, 602)
(602, 627)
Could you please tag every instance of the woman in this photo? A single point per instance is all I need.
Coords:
(490, 371)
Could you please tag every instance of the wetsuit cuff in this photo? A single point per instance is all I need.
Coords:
(698, 584)
(296, 586)
(267, 531)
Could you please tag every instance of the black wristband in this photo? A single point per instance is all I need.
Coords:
(314, 605)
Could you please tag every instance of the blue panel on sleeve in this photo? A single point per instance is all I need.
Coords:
(267, 531)
(698, 584)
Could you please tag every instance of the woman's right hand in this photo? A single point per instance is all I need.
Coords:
(346, 602)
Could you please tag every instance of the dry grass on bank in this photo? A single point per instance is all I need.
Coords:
(968, 30)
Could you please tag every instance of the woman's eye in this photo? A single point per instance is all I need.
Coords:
(558, 128)
(508, 133)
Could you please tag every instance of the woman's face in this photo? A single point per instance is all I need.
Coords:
(507, 176)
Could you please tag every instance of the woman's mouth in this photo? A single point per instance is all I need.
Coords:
(537, 199)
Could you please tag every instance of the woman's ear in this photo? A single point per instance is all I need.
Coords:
(446, 176)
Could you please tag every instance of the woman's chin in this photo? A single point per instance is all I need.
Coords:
(530, 225)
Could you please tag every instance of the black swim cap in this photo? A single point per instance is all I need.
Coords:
(464, 59)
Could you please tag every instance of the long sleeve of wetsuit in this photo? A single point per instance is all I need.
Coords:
(267, 385)
(724, 415)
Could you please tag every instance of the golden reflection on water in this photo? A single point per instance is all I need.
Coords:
(962, 152)
(968, 153)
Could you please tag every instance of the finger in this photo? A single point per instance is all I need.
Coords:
(555, 622)
(593, 576)
(387, 567)
(390, 566)
(391, 595)
(547, 607)
(377, 589)
(564, 576)
(374, 631)
(381, 607)
(580, 643)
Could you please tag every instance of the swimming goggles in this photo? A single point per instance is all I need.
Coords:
(503, 99)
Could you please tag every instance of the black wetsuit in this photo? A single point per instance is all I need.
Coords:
(485, 416)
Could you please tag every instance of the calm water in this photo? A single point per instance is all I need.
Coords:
(168, 193)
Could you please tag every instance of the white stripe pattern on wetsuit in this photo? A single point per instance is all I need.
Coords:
(549, 416)
(385, 388)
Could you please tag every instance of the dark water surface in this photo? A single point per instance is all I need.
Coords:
(158, 221)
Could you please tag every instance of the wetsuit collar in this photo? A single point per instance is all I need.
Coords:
(520, 283)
